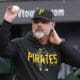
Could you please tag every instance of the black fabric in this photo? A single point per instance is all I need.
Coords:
(43, 14)
(33, 61)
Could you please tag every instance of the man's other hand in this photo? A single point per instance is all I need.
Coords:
(10, 15)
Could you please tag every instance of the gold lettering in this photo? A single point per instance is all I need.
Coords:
(33, 58)
(36, 58)
(43, 58)
(55, 58)
(30, 56)
(41, 11)
(42, 61)
(46, 59)
(51, 59)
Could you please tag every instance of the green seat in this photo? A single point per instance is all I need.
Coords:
(71, 77)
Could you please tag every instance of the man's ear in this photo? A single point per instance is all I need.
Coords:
(52, 25)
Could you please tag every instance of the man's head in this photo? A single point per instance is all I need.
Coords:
(42, 23)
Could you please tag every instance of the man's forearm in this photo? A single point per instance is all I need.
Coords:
(4, 36)
(70, 55)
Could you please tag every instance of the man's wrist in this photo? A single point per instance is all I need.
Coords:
(8, 21)
(6, 25)
(60, 41)
(5, 21)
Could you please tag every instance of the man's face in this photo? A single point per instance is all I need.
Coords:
(41, 28)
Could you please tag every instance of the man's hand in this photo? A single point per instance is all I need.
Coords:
(54, 38)
(9, 15)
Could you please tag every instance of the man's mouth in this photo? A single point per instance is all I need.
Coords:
(39, 34)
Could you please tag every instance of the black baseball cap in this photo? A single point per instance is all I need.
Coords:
(43, 14)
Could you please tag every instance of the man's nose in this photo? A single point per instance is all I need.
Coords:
(39, 24)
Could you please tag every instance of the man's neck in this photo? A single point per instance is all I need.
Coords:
(44, 40)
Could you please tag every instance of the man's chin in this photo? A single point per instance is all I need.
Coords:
(39, 35)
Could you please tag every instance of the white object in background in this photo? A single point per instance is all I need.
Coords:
(15, 9)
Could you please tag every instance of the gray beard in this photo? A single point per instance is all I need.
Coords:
(39, 34)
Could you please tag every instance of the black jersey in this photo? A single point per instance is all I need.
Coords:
(34, 61)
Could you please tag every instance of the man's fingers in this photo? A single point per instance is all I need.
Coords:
(13, 9)
(9, 8)
(54, 33)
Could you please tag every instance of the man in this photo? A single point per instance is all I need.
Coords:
(38, 55)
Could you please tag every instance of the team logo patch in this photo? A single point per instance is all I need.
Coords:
(41, 11)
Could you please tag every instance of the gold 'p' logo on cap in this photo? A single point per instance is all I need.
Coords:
(41, 11)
